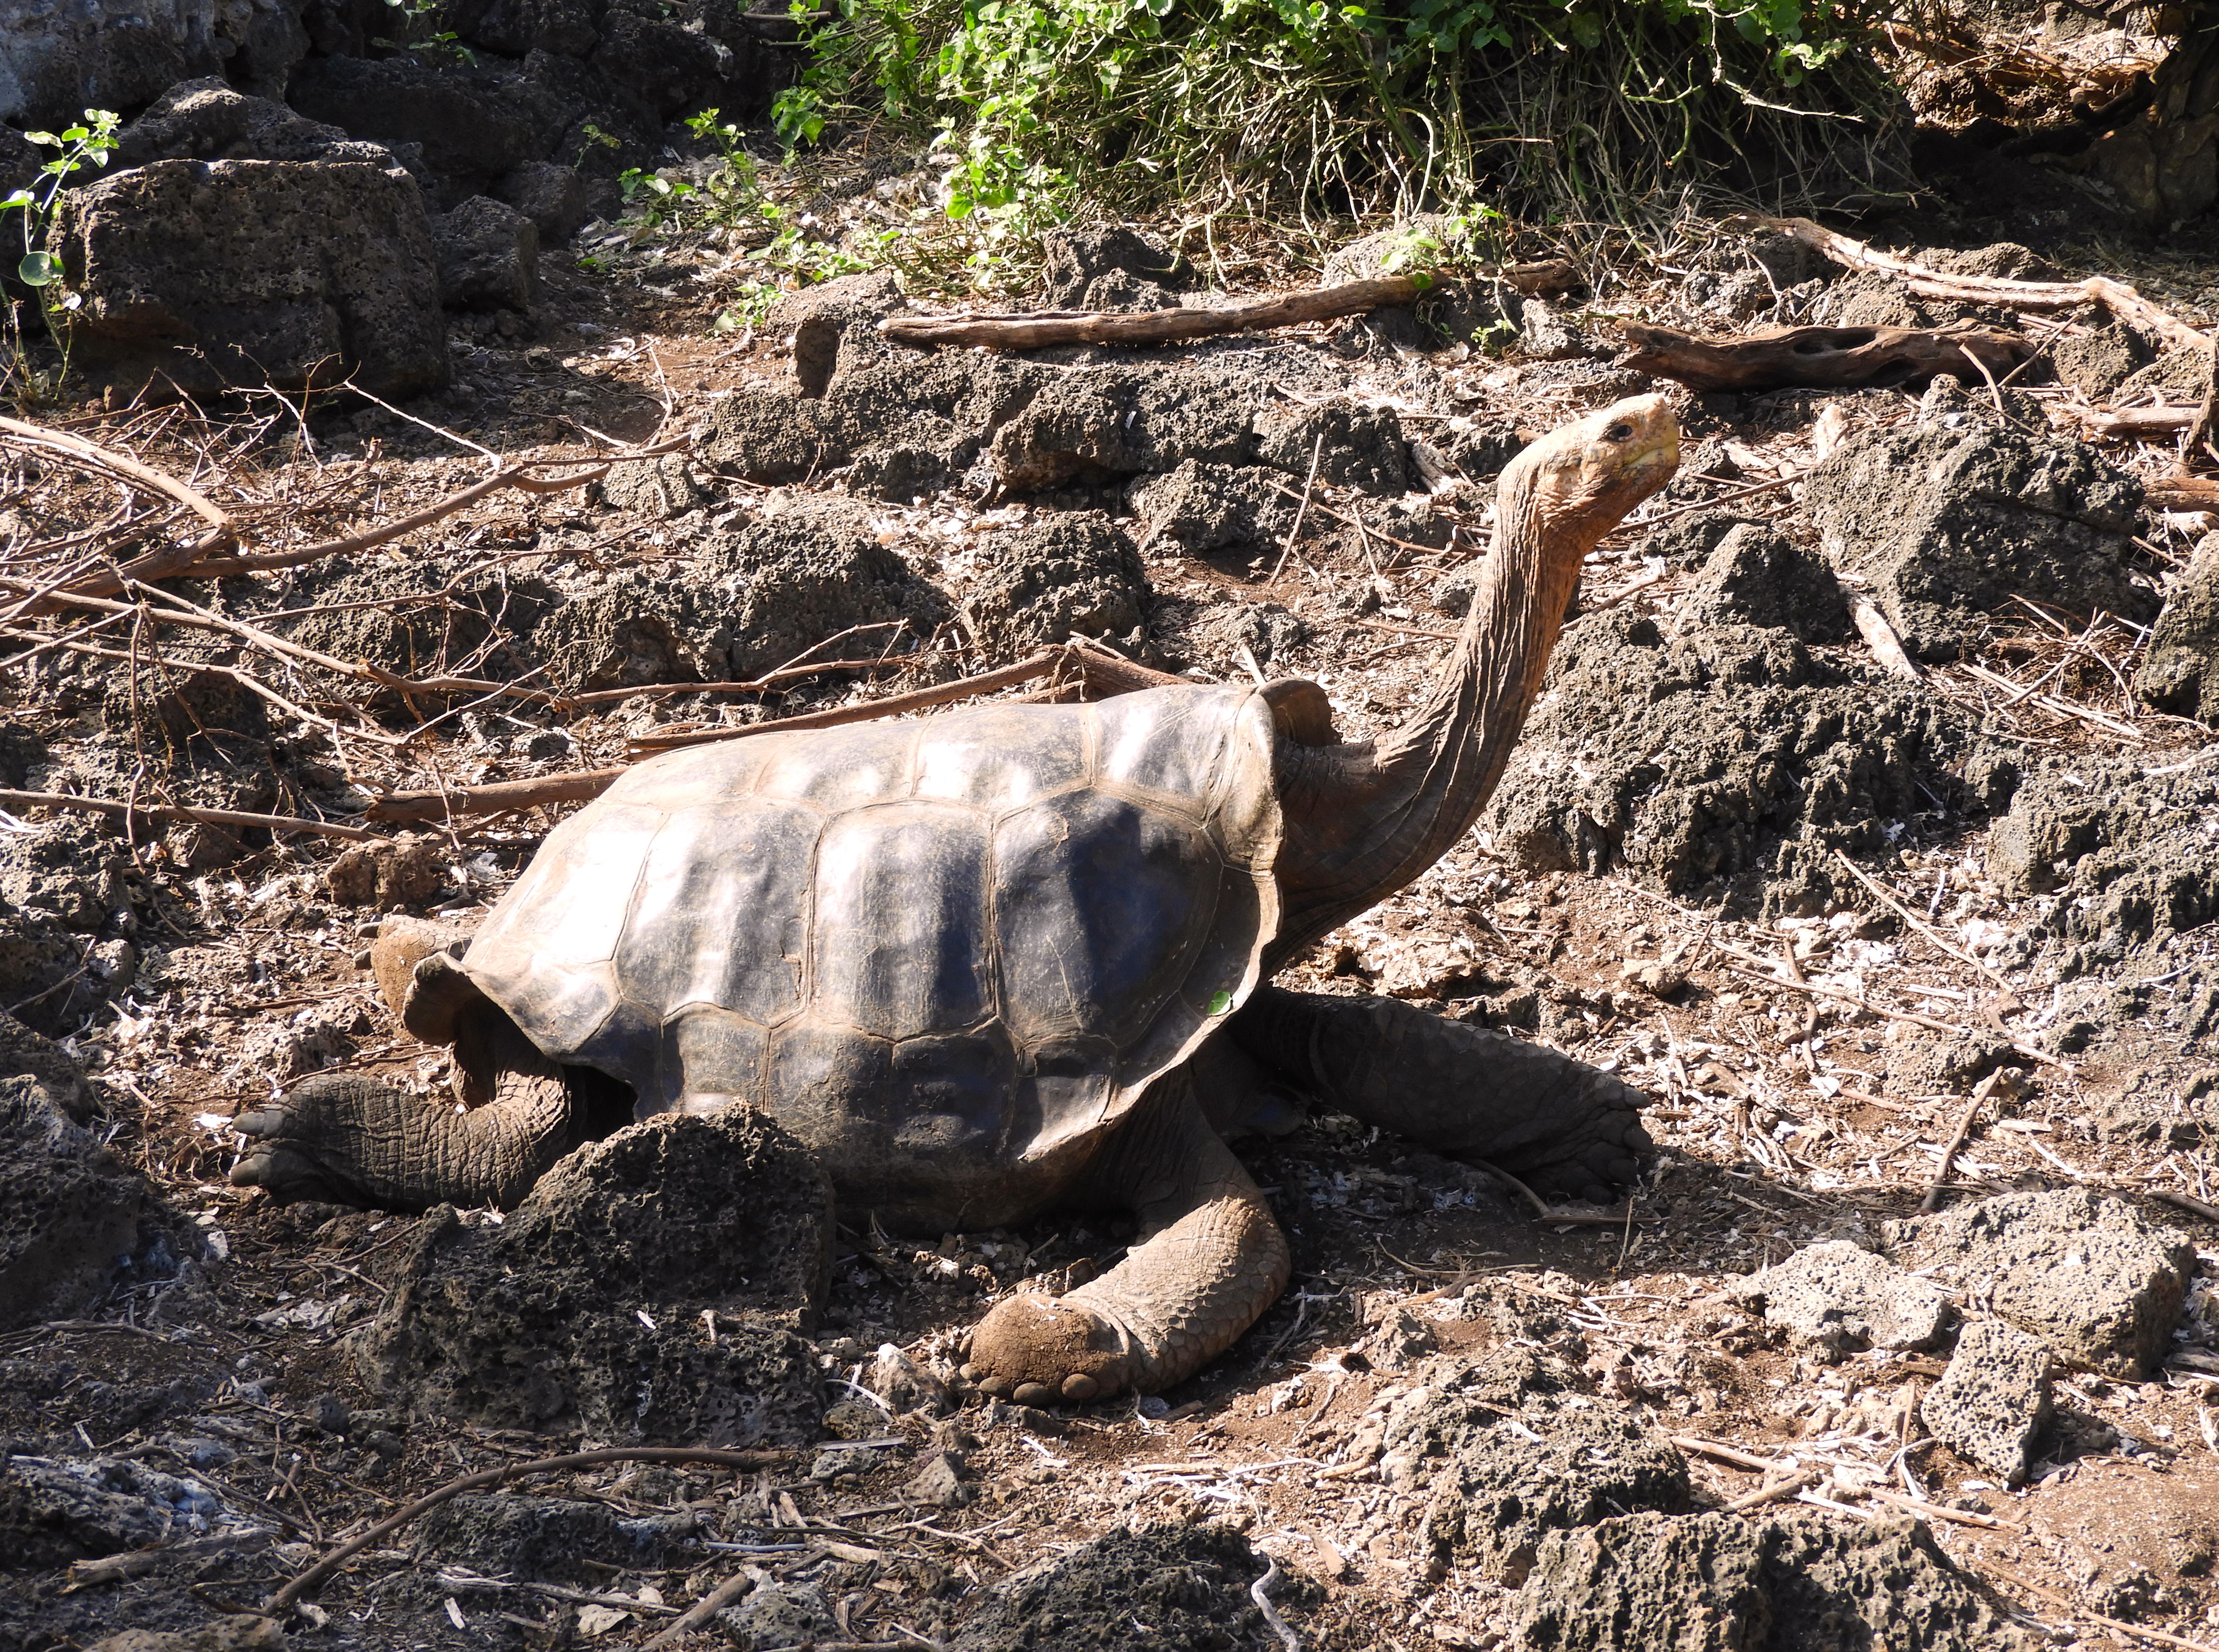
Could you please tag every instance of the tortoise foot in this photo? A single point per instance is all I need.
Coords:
(307, 1143)
(1040, 1350)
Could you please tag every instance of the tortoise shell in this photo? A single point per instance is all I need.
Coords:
(940, 950)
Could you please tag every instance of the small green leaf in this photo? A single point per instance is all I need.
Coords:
(1220, 1003)
(20, 198)
(38, 270)
(44, 139)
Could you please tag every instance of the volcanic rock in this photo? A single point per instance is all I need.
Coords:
(1721, 1583)
(1842, 1298)
(1949, 524)
(2180, 673)
(1994, 1398)
(2087, 1274)
(286, 273)
(590, 1305)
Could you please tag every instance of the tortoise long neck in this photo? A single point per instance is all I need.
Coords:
(1366, 818)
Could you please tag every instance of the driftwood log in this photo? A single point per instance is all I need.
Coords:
(1039, 329)
(1776, 359)
(2138, 421)
(1091, 669)
(2122, 301)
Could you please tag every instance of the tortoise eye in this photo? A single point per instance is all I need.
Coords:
(1619, 433)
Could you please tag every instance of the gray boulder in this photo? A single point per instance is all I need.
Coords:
(2180, 674)
(56, 60)
(2089, 1274)
(1076, 574)
(1721, 1583)
(1758, 576)
(488, 256)
(553, 197)
(232, 272)
(589, 1305)
(74, 1221)
(1994, 1398)
(1840, 1298)
(1949, 524)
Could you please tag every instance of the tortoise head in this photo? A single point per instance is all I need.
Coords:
(1577, 482)
(1365, 817)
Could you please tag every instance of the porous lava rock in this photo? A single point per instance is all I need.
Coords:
(555, 197)
(1840, 1298)
(56, 1510)
(1994, 1399)
(470, 124)
(1758, 576)
(549, 1539)
(415, 620)
(1203, 507)
(1948, 525)
(1516, 1445)
(746, 599)
(61, 885)
(1724, 1583)
(590, 1306)
(2123, 856)
(1707, 760)
(2180, 673)
(488, 256)
(1111, 268)
(818, 318)
(211, 119)
(74, 1220)
(120, 54)
(288, 273)
(1159, 1589)
(2088, 1273)
(1074, 574)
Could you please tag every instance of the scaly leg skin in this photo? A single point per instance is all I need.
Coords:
(352, 1140)
(1208, 1261)
(1569, 1129)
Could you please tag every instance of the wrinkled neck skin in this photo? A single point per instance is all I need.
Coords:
(1365, 818)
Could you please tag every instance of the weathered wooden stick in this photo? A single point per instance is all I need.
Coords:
(2116, 296)
(1880, 637)
(2180, 493)
(177, 812)
(2138, 421)
(1819, 357)
(1042, 328)
(1988, 1086)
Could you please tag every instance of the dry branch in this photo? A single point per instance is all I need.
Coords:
(2180, 493)
(307, 1582)
(2122, 301)
(1822, 358)
(14, 432)
(177, 812)
(1042, 328)
(2126, 422)
(1880, 637)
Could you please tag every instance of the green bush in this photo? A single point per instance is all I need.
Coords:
(1550, 109)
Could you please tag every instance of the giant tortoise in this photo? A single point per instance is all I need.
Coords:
(977, 960)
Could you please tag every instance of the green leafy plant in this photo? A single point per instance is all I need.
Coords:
(422, 36)
(1549, 109)
(81, 146)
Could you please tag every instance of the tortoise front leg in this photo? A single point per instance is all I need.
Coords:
(1571, 1129)
(353, 1140)
(1209, 1259)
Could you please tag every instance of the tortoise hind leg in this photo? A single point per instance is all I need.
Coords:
(1571, 1129)
(1209, 1259)
(353, 1140)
